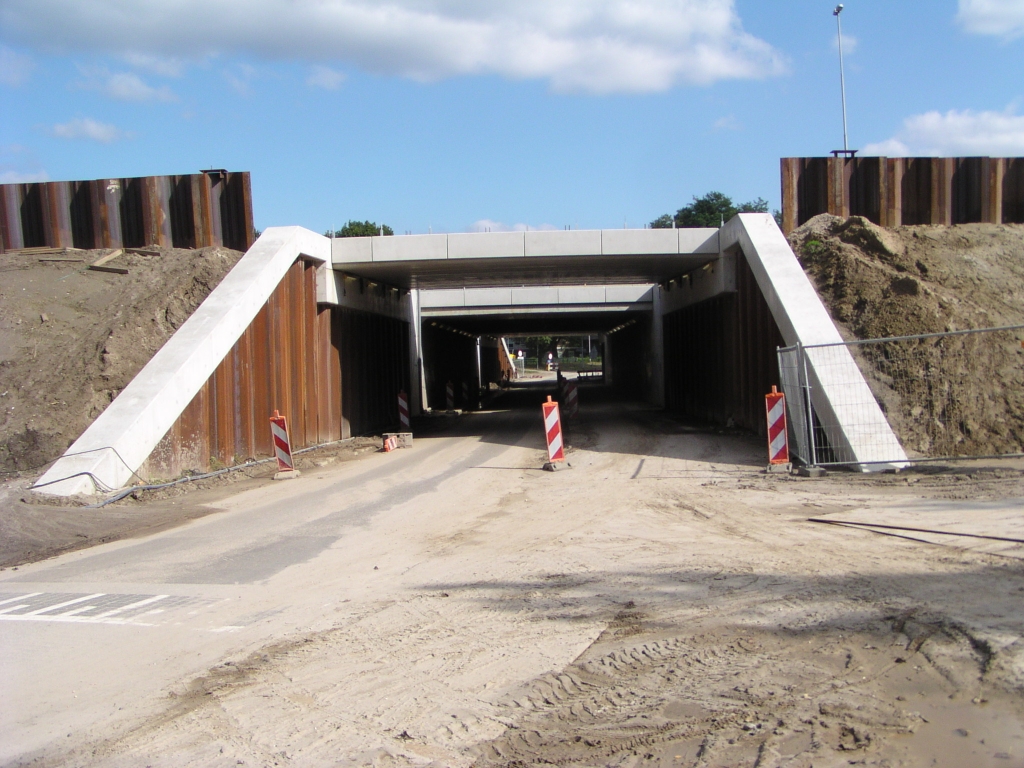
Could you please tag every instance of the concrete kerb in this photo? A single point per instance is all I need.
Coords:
(109, 453)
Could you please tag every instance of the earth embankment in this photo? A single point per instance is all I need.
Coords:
(71, 338)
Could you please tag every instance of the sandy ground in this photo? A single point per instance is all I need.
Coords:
(959, 396)
(72, 338)
(664, 602)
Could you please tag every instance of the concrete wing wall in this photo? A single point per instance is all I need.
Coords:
(840, 394)
(114, 447)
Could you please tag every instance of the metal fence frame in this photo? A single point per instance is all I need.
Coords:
(807, 444)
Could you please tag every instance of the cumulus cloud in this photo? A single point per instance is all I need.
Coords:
(325, 77)
(123, 86)
(15, 68)
(598, 46)
(87, 128)
(1002, 18)
(955, 133)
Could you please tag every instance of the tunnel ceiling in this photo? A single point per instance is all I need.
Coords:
(535, 324)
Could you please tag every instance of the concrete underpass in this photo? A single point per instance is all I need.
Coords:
(329, 331)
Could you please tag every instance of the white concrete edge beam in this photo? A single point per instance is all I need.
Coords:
(121, 438)
(572, 243)
(852, 418)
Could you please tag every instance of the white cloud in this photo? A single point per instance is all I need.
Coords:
(850, 44)
(955, 134)
(596, 46)
(1002, 18)
(489, 225)
(123, 86)
(87, 128)
(727, 123)
(15, 67)
(165, 66)
(19, 177)
(325, 77)
(240, 78)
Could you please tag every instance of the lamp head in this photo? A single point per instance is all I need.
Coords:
(838, 10)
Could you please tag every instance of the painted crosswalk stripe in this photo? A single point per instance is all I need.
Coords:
(66, 603)
(137, 604)
(20, 597)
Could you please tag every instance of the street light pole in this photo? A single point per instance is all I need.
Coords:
(842, 74)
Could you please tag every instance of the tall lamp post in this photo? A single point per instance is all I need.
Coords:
(842, 75)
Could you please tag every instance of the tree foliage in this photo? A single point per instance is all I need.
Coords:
(362, 229)
(709, 211)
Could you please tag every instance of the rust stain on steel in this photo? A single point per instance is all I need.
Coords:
(190, 211)
(333, 373)
(896, 191)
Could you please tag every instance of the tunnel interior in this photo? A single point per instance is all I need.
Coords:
(708, 363)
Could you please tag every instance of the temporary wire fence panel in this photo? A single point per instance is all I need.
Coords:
(946, 395)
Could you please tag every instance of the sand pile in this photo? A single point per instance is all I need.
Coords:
(950, 397)
(72, 338)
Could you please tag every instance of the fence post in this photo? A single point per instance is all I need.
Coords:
(811, 449)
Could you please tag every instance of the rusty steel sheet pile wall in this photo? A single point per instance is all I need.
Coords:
(720, 356)
(448, 355)
(374, 353)
(287, 359)
(630, 360)
(898, 191)
(189, 211)
(332, 372)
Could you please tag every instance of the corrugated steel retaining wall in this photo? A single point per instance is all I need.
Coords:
(332, 372)
(720, 356)
(448, 355)
(896, 191)
(630, 359)
(191, 211)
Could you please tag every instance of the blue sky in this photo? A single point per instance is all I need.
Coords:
(459, 115)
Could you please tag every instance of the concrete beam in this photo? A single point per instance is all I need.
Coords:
(109, 452)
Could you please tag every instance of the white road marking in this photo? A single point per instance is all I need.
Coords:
(77, 600)
(81, 609)
(13, 608)
(20, 597)
(124, 608)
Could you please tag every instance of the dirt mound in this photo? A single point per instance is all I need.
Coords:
(72, 338)
(954, 396)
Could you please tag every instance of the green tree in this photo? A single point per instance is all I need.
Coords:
(362, 229)
(709, 211)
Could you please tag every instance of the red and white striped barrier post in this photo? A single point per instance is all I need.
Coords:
(778, 436)
(450, 399)
(282, 447)
(465, 394)
(553, 433)
(572, 399)
(403, 411)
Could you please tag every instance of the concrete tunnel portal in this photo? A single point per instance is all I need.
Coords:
(625, 287)
(329, 330)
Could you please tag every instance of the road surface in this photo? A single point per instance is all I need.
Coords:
(661, 603)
